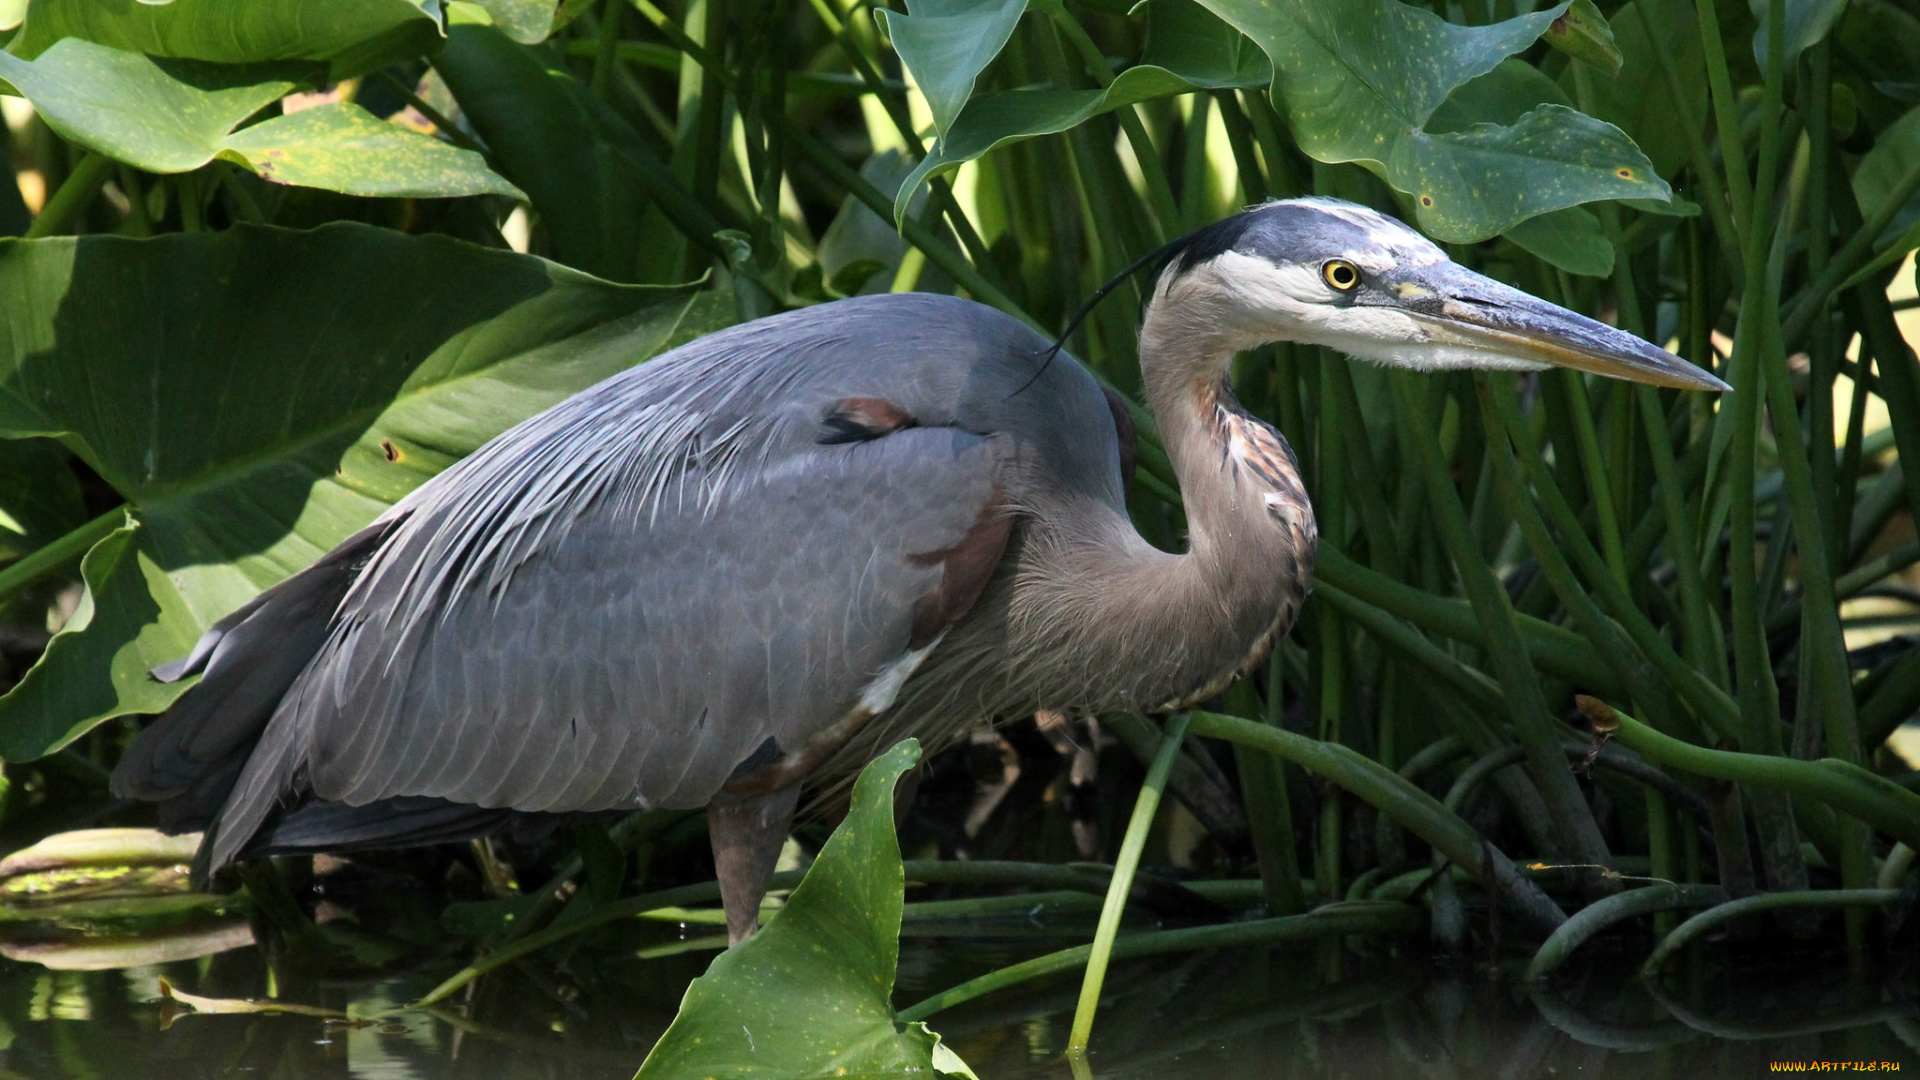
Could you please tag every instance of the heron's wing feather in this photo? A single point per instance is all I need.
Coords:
(621, 601)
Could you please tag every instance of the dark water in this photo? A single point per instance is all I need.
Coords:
(1323, 1011)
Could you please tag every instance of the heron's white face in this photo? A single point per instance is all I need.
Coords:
(1323, 272)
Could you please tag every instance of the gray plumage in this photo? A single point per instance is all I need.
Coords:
(766, 555)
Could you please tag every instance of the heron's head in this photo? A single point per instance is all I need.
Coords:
(1326, 272)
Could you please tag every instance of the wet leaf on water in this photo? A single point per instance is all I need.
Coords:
(165, 946)
(235, 387)
(811, 994)
(101, 847)
(171, 995)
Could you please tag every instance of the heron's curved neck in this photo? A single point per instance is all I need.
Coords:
(1250, 528)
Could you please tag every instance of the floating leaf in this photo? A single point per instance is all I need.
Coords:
(946, 44)
(811, 994)
(259, 394)
(1582, 33)
(349, 36)
(170, 116)
(1359, 80)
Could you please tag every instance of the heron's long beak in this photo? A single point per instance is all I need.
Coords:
(1467, 309)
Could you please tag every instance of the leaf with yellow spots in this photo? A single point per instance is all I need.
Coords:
(811, 994)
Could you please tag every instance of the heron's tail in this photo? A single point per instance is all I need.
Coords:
(189, 758)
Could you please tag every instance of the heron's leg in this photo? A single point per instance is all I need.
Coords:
(748, 832)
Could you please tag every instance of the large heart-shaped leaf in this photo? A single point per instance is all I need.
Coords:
(349, 36)
(1187, 49)
(169, 116)
(1638, 99)
(554, 139)
(259, 394)
(811, 994)
(946, 44)
(1360, 78)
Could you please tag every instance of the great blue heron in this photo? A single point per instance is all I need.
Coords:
(765, 555)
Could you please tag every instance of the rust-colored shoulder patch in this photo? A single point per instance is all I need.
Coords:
(858, 419)
(1129, 439)
(966, 568)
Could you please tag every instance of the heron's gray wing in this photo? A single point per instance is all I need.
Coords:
(618, 604)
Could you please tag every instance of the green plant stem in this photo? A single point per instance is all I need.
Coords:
(1718, 711)
(1527, 706)
(1263, 787)
(1847, 788)
(1470, 682)
(1330, 921)
(1159, 189)
(59, 553)
(1144, 809)
(1705, 645)
(1554, 649)
(1417, 811)
(1089, 879)
(72, 196)
(439, 120)
(893, 100)
(1501, 417)
(606, 47)
(1684, 934)
(1898, 862)
(1726, 118)
(1594, 918)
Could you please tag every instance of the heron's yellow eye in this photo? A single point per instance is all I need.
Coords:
(1340, 274)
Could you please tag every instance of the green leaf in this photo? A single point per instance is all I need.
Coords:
(130, 601)
(343, 147)
(811, 994)
(1582, 33)
(1570, 239)
(1882, 170)
(171, 116)
(1807, 23)
(165, 116)
(257, 395)
(1186, 38)
(946, 44)
(525, 21)
(553, 138)
(1360, 78)
(1637, 99)
(39, 496)
(1188, 49)
(996, 119)
(350, 36)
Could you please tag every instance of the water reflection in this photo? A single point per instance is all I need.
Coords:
(1284, 1013)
